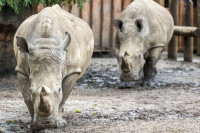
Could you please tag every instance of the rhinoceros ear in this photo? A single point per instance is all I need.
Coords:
(66, 41)
(118, 24)
(22, 44)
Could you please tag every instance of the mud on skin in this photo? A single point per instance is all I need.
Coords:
(171, 107)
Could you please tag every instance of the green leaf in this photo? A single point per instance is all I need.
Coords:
(95, 105)
(77, 111)
(94, 113)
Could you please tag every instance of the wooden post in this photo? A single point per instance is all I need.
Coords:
(161, 2)
(96, 23)
(173, 45)
(117, 4)
(198, 25)
(85, 13)
(106, 25)
(188, 20)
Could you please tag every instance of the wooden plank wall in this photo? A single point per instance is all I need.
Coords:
(99, 14)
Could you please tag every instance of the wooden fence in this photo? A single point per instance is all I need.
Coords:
(99, 14)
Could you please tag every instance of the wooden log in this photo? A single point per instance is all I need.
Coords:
(198, 25)
(187, 31)
(173, 45)
(188, 41)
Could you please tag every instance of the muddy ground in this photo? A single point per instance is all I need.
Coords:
(171, 107)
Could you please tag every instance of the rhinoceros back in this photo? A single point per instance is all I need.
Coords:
(53, 22)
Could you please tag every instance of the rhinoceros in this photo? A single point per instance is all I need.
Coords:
(53, 49)
(144, 29)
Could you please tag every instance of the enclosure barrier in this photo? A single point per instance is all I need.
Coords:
(188, 31)
(100, 14)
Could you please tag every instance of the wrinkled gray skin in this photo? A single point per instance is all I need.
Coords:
(143, 30)
(53, 49)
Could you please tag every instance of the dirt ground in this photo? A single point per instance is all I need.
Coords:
(171, 107)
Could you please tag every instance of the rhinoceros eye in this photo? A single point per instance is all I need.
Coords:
(119, 24)
(139, 25)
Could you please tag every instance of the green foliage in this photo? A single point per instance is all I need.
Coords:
(15, 4)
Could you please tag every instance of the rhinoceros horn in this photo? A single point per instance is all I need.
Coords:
(125, 66)
(44, 104)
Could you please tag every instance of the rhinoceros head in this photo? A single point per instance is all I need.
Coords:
(46, 63)
(130, 46)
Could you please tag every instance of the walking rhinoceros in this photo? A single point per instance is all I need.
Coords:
(143, 30)
(53, 49)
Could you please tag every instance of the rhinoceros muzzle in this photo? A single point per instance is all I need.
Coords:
(127, 71)
(124, 77)
(45, 116)
(42, 122)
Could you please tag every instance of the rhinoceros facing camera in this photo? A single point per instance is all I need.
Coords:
(143, 30)
(53, 49)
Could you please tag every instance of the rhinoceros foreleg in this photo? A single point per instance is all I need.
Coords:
(67, 85)
(24, 86)
(150, 70)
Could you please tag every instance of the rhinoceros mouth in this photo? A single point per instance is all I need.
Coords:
(43, 125)
(125, 77)
(45, 121)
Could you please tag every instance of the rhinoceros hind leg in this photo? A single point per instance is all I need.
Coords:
(150, 70)
(24, 86)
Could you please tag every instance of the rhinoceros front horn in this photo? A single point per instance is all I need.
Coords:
(44, 105)
(125, 66)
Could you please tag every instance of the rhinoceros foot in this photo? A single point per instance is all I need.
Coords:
(61, 122)
(148, 83)
(125, 85)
